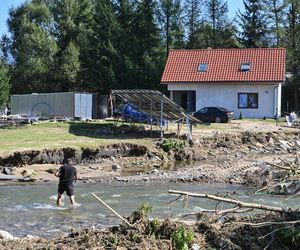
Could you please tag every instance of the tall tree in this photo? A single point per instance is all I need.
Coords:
(126, 43)
(101, 52)
(222, 31)
(31, 47)
(72, 20)
(194, 21)
(253, 24)
(4, 84)
(292, 43)
(149, 57)
(171, 21)
(275, 13)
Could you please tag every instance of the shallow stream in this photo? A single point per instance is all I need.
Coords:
(31, 209)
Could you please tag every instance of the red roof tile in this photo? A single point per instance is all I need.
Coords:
(266, 65)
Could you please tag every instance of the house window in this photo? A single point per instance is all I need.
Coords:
(245, 67)
(248, 100)
(202, 67)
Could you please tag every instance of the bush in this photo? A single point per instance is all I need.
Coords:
(182, 238)
(168, 145)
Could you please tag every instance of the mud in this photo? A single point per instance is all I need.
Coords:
(83, 155)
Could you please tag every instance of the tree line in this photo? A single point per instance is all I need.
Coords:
(98, 45)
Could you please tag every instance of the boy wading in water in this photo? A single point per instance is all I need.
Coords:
(67, 175)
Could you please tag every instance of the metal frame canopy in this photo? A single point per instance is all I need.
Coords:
(153, 103)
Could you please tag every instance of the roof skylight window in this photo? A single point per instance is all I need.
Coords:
(202, 67)
(245, 67)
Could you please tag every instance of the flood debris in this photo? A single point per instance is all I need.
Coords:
(269, 230)
(238, 205)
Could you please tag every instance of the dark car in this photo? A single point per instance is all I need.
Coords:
(214, 114)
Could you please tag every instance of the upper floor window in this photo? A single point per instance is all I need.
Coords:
(202, 67)
(245, 67)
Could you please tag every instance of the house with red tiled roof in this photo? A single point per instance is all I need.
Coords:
(246, 81)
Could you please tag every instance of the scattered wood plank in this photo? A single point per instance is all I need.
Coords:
(112, 210)
(238, 203)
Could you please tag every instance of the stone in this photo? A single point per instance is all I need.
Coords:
(116, 167)
(6, 235)
(94, 167)
(155, 171)
(285, 144)
(195, 247)
(7, 171)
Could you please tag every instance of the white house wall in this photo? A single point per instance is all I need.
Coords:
(269, 97)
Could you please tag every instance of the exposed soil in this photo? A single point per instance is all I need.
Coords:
(242, 158)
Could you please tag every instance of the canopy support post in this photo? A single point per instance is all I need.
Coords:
(161, 117)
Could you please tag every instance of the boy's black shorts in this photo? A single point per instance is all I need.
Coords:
(69, 188)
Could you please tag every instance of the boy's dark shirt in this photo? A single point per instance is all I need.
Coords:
(67, 174)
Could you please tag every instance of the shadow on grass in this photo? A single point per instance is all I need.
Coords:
(112, 131)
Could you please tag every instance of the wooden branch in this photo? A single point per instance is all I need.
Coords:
(109, 208)
(261, 189)
(290, 168)
(277, 229)
(293, 196)
(270, 223)
(277, 166)
(237, 202)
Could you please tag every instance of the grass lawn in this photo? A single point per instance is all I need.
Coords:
(66, 134)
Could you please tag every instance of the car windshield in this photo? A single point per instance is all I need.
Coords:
(223, 109)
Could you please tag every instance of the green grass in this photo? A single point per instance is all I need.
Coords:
(66, 134)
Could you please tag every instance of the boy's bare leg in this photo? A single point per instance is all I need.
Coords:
(72, 200)
(58, 201)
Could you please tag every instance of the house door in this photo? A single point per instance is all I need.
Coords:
(186, 99)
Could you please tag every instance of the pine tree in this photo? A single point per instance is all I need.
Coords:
(72, 21)
(222, 30)
(292, 43)
(171, 21)
(275, 12)
(101, 51)
(253, 24)
(194, 21)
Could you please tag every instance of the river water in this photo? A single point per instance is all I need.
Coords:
(30, 209)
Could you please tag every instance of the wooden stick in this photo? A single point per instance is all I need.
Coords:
(119, 216)
(237, 202)
(277, 166)
(264, 224)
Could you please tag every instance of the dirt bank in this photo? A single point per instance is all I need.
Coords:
(241, 158)
(206, 232)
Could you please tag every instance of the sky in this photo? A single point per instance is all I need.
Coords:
(5, 5)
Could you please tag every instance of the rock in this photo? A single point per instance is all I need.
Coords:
(94, 167)
(26, 179)
(195, 247)
(6, 235)
(285, 144)
(4, 177)
(7, 171)
(155, 171)
(116, 167)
